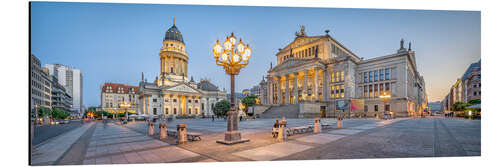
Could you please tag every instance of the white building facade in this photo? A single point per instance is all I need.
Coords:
(72, 80)
(318, 73)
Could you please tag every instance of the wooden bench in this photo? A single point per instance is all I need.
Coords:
(190, 136)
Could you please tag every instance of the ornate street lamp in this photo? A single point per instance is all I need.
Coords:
(385, 97)
(125, 106)
(232, 57)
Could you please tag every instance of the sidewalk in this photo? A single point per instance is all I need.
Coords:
(50, 151)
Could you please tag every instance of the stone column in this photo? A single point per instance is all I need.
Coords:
(325, 85)
(287, 89)
(317, 125)
(179, 110)
(296, 88)
(279, 89)
(282, 136)
(181, 134)
(147, 104)
(315, 84)
(186, 108)
(151, 129)
(305, 86)
(163, 131)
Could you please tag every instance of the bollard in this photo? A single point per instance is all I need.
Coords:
(317, 125)
(339, 123)
(282, 136)
(181, 134)
(151, 130)
(163, 131)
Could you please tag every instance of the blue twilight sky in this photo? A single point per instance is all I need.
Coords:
(116, 42)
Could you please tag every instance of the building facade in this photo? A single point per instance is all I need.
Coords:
(171, 93)
(114, 94)
(464, 89)
(60, 97)
(40, 86)
(71, 79)
(472, 82)
(318, 73)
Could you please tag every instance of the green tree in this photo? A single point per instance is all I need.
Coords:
(59, 114)
(44, 111)
(475, 101)
(249, 101)
(459, 106)
(221, 108)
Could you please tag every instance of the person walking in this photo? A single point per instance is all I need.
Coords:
(213, 118)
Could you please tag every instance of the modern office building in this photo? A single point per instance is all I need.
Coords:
(72, 81)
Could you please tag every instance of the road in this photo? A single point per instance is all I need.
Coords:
(43, 133)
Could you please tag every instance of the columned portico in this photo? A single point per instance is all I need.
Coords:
(279, 90)
(287, 89)
(295, 88)
(315, 93)
(306, 85)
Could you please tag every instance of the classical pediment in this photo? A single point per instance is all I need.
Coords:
(299, 41)
(294, 63)
(183, 88)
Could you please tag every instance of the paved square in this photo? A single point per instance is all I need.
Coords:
(320, 138)
(345, 131)
(272, 151)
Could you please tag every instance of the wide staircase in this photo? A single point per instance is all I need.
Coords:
(289, 111)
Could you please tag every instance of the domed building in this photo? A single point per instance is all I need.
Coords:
(172, 94)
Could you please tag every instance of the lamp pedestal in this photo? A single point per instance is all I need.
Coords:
(232, 135)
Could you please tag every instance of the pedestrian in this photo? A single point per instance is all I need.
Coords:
(213, 118)
(241, 117)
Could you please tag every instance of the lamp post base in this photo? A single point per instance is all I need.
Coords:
(232, 135)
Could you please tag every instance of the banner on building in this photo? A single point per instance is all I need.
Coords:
(342, 104)
(357, 104)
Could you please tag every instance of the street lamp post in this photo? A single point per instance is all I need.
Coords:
(125, 106)
(232, 57)
(385, 97)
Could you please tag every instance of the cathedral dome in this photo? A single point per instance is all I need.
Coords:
(173, 34)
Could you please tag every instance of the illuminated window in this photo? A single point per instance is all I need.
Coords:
(341, 75)
(376, 90)
(337, 76)
(341, 91)
(371, 90)
(189, 111)
(333, 77)
(332, 91)
(388, 88)
(337, 93)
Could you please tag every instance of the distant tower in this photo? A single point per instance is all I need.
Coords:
(174, 58)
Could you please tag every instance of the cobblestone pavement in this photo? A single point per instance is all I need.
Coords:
(360, 138)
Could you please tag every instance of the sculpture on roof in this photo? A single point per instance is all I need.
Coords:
(302, 31)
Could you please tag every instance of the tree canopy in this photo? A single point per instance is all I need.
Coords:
(222, 107)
